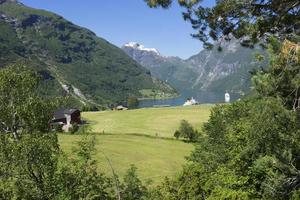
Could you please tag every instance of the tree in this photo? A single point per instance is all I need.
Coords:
(22, 109)
(250, 20)
(250, 149)
(32, 164)
(282, 80)
(78, 178)
(35, 168)
(28, 166)
(186, 131)
(133, 187)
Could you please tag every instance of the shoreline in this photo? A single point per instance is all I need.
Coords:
(161, 98)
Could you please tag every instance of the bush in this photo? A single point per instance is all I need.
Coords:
(177, 134)
(74, 128)
(186, 131)
(57, 128)
(88, 108)
(133, 188)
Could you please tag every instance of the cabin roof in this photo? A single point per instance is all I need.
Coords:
(60, 114)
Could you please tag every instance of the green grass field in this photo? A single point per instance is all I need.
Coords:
(161, 122)
(155, 157)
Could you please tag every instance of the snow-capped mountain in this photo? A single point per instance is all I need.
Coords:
(208, 71)
(140, 47)
(148, 57)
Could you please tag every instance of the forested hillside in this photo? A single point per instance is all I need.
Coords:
(72, 60)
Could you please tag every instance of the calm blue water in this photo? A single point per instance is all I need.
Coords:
(153, 102)
(201, 98)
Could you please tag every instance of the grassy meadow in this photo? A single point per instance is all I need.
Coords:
(130, 138)
(161, 122)
(155, 158)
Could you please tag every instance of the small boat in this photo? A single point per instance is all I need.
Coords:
(190, 102)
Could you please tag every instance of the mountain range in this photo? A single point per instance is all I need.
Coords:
(206, 75)
(72, 60)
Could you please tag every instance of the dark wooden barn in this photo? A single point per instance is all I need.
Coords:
(66, 116)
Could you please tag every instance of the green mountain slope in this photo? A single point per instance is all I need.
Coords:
(172, 70)
(71, 59)
(226, 70)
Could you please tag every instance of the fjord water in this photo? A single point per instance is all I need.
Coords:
(160, 102)
(202, 98)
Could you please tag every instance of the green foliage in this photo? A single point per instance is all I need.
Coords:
(25, 111)
(133, 189)
(35, 168)
(282, 80)
(57, 128)
(250, 149)
(84, 129)
(87, 108)
(188, 185)
(248, 20)
(32, 165)
(247, 150)
(74, 128)
(186, 131)
(177, 134)
(78, 177)
(28, 166)
(157, 3)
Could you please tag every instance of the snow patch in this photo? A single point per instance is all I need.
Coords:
(140, 47)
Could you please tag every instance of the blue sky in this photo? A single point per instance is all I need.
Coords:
(122, 21)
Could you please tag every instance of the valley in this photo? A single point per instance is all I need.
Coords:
(143, 137)
(74, 62)
(85, 114)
